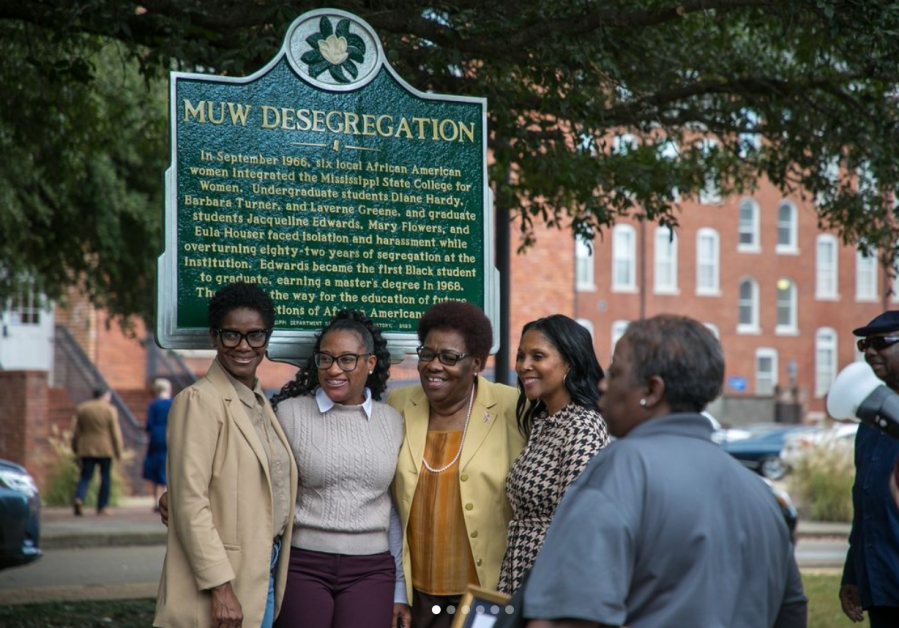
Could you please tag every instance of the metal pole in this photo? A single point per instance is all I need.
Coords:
(503, 265)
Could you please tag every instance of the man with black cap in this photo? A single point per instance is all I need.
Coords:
(871, 573)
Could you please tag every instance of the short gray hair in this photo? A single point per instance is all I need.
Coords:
(684, 353)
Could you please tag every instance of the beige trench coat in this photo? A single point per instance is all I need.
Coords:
(220, 507)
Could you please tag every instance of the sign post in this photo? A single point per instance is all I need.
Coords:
(330, 182)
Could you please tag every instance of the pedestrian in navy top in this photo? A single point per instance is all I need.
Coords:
(871, 573)
(157, 421)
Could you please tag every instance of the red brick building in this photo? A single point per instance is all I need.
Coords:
(781, 294)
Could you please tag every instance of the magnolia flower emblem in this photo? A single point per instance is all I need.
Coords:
(336, 51)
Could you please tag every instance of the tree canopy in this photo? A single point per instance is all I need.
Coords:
(797, 91)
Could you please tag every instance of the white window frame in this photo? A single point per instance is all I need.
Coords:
(751, 327)
(665, 255)
(587, 324)
(584, 268)
(712, 327)
(827, 271)
(713, 264)
(866, 277)
(26, 308)
(618, 329)
(771, 354)
(791, 327)
(791, 224)
(826, 339)
(710, 194)
(624, 253)
(752, 229)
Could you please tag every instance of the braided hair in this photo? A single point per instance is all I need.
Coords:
(306, 380)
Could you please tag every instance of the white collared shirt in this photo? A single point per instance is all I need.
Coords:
(325, 403)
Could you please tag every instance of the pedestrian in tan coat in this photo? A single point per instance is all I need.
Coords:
(96, 439)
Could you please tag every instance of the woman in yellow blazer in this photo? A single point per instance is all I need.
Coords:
(461, 438)
(232, 482)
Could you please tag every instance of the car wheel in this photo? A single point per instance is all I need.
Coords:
(772, 468)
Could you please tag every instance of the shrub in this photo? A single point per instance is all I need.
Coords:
(822, 481)
(64, 472)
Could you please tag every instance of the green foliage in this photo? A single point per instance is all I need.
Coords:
(822, 481)
(785, 90)
(64, 472)
(83, 140)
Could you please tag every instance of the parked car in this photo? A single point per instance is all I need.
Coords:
(20, 516)
(840, 436)
(761, 450)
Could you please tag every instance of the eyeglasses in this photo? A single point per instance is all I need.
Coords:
(346, 361)
(878, 343)
(447, 358)
(231, 338)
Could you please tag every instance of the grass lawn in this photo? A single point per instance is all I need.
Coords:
(823, 604)
(90, 614)
(821, 589)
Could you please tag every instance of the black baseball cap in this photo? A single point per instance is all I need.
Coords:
(888, 321)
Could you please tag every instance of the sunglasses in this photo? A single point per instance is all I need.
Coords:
(878, 343)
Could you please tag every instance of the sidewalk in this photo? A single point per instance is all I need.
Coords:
(133, 522)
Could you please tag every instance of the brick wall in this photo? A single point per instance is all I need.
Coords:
(24, 421)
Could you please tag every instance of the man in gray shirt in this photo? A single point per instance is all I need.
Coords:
(663, 529)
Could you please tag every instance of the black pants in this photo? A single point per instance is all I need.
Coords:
(883, 616)
(87, 474)
(423, 615)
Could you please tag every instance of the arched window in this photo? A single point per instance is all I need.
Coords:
(825, 360)
(583, 266)
(707, 256)
(787, 236)
(826, 268)
(624, 258)
(665, 261)
(865, 277)
(748, 306)
(786, 307)
(748, 228)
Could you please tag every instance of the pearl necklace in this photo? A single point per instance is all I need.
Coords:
(461, 444)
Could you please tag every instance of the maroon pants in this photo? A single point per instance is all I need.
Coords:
(338, 591)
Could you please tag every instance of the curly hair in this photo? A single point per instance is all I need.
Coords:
(462, 317)
(306, 380)
(575, 345)
(239, 295)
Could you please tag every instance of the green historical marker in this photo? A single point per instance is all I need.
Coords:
(330, 182)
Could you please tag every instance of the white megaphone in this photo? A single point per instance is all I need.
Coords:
(857, 392)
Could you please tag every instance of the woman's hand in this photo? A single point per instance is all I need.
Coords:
(226, 609)
(402, 616)
(164, 508)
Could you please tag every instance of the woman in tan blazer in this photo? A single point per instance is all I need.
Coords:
(232, 481)
(461, 439)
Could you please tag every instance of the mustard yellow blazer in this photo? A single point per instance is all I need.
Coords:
(220, 507)
(491, 446)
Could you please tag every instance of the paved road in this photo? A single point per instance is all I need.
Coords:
(821, 552)
(77, 574)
